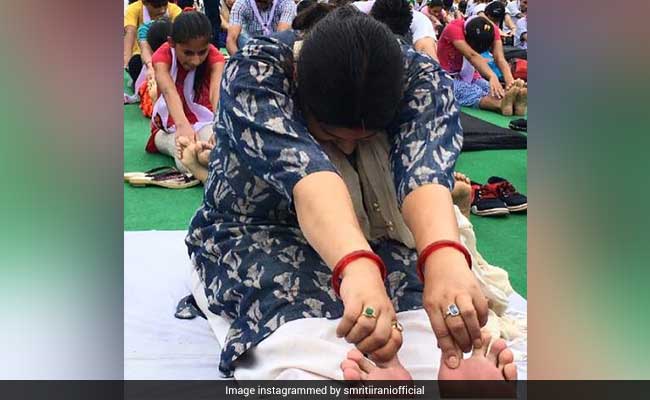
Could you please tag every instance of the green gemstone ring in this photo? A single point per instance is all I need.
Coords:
(369, 312)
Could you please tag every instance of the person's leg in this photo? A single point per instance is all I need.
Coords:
(242, 39)
(481, 90)
(521, 102)
(205, 134)
(166, 144)
(503, 106)
(462, 193)
(306, 348)
(476, 95)
(212, 11)
(135, 67)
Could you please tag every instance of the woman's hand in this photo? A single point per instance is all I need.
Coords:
(496, 90)
(362, 287)
(448, 280)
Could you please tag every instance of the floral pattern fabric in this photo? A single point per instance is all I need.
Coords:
(258, 269)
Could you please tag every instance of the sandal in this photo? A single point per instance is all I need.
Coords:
(167, 177)
(151, 173)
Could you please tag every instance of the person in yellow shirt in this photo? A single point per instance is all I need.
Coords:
(139, 13)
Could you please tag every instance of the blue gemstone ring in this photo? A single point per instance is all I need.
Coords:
(452, 310)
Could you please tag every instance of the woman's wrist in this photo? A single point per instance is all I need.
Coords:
(442, 258)
(362, 266)
(357, 264)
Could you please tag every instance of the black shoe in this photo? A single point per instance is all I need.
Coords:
(486, 202)
(515, 201)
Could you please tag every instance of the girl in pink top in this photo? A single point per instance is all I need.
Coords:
(476, 85)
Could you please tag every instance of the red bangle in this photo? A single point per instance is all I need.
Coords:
(355, 255)
(437, 246)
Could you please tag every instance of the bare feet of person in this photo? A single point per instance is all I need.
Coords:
(191, 154)
(521, 102)
(462, 193)
(357, 367)
(497, 364)
(508, 100)
(203, 154)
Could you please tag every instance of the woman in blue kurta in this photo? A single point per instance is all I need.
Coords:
(277, 216)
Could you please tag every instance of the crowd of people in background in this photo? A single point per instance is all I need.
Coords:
(482, 44)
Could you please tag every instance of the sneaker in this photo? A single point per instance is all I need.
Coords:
(515, 201)
(486, 202)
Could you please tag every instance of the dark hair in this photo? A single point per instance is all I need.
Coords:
(156, 3)
(310, 15)
(190, 25)
(350, 71)
(185, 3)
(304, 4)
(435, 3)
(479, 34)
(396, 14)
(158, 33)
(447, 4)
(496, 12)
(340, 3)
(462, 6)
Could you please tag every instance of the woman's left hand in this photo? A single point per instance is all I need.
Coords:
(449, 280)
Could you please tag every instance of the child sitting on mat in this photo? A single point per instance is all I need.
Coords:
(188, 73)
(476, 85)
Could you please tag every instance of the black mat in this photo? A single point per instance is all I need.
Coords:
(481, 135)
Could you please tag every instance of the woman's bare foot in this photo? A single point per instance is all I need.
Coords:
(462, 193)
(357, 367)
(508, 100)
(521, 102)
(494, 365)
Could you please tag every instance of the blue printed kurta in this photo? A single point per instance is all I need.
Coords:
(258, 269)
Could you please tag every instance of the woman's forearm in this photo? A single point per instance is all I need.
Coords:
(428, 212)
(327, 218)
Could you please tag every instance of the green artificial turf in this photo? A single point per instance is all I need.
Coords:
(502, 241)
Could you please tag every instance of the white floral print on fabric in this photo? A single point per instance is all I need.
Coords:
(257, 267)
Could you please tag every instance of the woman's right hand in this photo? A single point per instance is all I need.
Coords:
(496, 90)
(362, 287)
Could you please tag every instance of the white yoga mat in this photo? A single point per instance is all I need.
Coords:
(157, 345)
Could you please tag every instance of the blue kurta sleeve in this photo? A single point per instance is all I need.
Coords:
(427, 135)
(258, 117)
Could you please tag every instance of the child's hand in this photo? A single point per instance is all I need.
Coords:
(496, 90)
